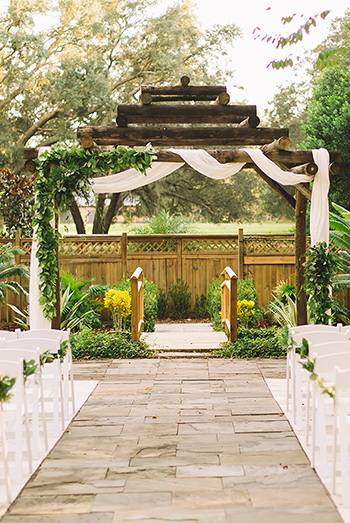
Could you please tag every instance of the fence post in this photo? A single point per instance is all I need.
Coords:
(229, 302)
(240, 254)
(136, 303)
(179, 270)
(124, 253)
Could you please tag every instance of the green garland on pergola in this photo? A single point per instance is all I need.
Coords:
(62, 174)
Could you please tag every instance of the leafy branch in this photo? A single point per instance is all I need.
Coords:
(62, 174)
(6, 384)
(294, 37)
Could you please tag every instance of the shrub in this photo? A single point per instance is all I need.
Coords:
(89, 344)
(245, 292)
(255, 343)
(163, 307)
(201, 307)
(214, 303)
(180, 305)
(150, 303)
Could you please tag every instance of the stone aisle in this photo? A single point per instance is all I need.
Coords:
(177, 441)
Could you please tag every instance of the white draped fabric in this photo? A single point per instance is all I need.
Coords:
(204, 163)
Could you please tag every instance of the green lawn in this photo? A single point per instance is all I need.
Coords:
(205, 228)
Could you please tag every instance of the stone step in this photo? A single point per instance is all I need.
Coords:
(185, 348)
(188, 355)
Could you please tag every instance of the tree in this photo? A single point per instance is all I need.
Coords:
(188, 192)
(95, 55)
(328, 125)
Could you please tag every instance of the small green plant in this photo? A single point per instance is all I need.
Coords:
(200, 309)
(119, 303)
(255, 343)
(89, 344)
(180, 300)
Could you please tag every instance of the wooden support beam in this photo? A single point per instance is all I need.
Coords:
(276, 186)
(306, 168)
(288, 158)
(300, 250)
(181, 136)
(251, 121)
(176, 113)
(30, 166)
(167, 93)
(87, 141)
(303, 189)
(184, 81)
(222, 99)
(281, 144)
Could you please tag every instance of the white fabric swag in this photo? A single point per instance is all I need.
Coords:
(204, 163)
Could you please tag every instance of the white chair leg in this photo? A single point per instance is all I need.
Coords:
(5, 455)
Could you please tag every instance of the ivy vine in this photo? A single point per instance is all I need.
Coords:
(6, 384)
(62, 174)
(320, 269)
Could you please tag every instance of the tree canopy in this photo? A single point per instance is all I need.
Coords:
(70, 62)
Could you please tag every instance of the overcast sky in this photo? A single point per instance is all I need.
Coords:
(250, 57)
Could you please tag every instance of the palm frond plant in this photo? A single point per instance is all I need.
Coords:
(165, 223)
(340, 236)
(284, 310)
(9, 269)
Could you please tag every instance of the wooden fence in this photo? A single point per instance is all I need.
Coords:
(196, 259)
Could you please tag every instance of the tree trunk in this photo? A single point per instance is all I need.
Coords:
(98, 225)
(78, 220)
(116, 203)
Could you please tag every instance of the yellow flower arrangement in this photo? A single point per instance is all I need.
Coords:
(119, 303)
(245, 311)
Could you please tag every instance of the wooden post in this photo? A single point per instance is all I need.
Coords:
(56, 321)
(300, 250)
(124, 253)
(137, 286)
(229, 302)
(178, 257)
(240, 254)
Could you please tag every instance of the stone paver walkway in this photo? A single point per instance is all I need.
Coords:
(177, 441)
(184, 340)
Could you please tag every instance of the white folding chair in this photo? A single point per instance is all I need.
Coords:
(291, 356)
(16, 411)
(8, 335)
(298, 374)
(33, 386)
(5, 460)
(51, 374)
(342, 433)
(325, 368)
(67, 364)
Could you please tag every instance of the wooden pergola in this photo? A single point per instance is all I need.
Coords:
(201, 117)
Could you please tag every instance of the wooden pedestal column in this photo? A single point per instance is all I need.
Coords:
(300, 249)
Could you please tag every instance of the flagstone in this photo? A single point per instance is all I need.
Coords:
(129, 499)
(283, 457)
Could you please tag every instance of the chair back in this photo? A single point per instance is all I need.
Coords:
(42, 344)
(323, 349)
